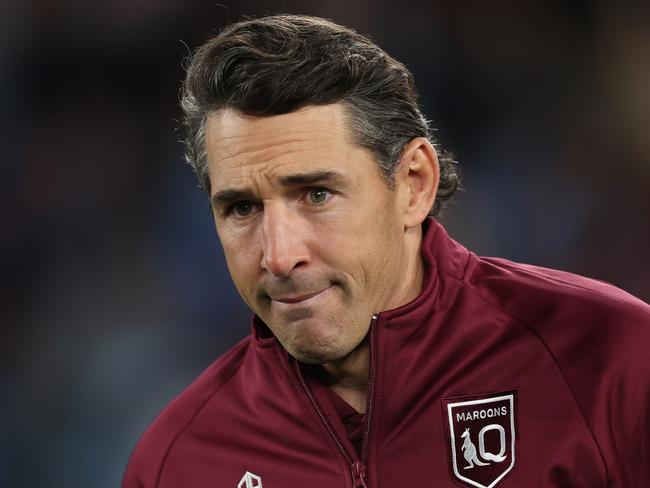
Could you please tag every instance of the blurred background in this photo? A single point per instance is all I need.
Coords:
(113, 290)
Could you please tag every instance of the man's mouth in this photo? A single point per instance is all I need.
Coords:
(301, 299)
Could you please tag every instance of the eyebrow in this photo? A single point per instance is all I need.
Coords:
(225, 197)
(229, 195)
(311, 178)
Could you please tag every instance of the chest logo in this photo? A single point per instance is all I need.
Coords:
(250, 480)
(482, 437)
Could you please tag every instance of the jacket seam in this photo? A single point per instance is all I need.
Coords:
(385, 380)
(562, 282)
(557, 365)
(187, 424)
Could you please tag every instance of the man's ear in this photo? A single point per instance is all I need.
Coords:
(417, 178)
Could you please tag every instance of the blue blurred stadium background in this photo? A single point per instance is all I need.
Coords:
(113, 291)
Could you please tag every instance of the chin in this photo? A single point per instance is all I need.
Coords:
(314, 356)
(313, 340)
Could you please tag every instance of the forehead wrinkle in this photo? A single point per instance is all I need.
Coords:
(261, 176)
(272, 162)
(243, 148)
(234, 125)
(247, 147)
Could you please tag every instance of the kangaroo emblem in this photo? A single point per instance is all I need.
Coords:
(469, 451)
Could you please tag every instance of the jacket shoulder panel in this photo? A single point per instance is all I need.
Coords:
(598, 335)
(558, 304)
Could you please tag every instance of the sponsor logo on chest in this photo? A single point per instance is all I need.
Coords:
(481, 438)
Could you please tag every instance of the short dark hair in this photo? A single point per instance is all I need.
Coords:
(278, 64)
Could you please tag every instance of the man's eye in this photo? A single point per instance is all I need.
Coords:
(318, 195)
(242, 209)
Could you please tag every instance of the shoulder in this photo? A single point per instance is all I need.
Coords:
(537, 296)
(597, 334)
(588, 326)
(151, 450)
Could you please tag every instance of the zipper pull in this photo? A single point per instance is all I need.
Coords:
(359, 475)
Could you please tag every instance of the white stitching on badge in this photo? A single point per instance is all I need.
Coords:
(502, 433)
(250, 480)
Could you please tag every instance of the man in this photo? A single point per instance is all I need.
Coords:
(383, 353)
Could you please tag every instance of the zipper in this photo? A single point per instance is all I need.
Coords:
(358, 475)
(358, 469)
(321, 414)
(372, 373)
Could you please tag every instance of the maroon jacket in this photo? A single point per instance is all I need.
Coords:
(497, 374)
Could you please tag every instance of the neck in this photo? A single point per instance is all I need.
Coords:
(348, 376)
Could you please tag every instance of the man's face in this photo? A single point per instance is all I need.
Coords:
(313, 238)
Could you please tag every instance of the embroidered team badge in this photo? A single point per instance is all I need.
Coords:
(482, 437)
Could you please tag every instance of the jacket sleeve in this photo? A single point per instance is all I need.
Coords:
(630, 401)
(609, 373)
(640, 474)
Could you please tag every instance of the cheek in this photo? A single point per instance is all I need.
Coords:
(244, 266)
(382, 253)
(362, 242)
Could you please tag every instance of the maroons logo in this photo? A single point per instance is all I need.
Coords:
(482, 438)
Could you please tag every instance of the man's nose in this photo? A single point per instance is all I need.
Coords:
(283, 241)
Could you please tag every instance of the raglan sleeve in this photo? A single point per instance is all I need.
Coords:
(641, 446)
(619, 411)
(632, 397)
(603, 351)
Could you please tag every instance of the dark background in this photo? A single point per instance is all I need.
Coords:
(113, 291)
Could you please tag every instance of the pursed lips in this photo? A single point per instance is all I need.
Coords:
(299, 299)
